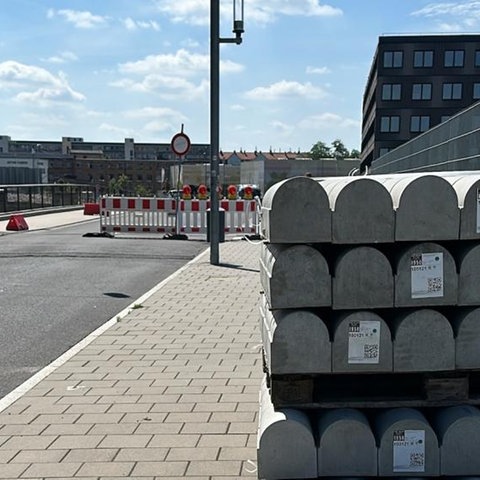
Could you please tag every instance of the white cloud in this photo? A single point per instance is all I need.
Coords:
(134, 25)
(317, 70)
(36, 84)
(237, 108)
(63, 57)
(282, 128)
(181, 63)
(451, 16)
(155, 112)
(328, 120)
(286, 89)
(79, 19)
(196, 12)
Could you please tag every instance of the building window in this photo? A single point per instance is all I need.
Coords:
(444, 118)
(476, 91)
(452, 91)
(393, 59)
(419, 123)
(477, 58)
(422, 91)
(390, 124)
(454, 58)
(391, 91)
(423, 58)
(383, 151)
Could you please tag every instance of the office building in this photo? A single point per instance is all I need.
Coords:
(415, 83)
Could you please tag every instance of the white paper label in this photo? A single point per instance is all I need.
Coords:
(427, 275)
(409, 451)
(478, 210)
(364, 341)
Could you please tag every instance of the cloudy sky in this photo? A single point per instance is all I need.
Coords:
(105, 70)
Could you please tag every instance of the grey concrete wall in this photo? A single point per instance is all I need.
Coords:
(468, 260)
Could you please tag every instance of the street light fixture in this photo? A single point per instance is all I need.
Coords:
(215, 40)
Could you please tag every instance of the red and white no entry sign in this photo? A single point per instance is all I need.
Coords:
(180, 144)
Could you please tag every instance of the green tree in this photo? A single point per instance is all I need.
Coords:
(118, 185)
(355, 153)
(320, 150)
(339, 150)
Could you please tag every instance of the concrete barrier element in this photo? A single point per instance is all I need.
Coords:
(362, 210)
(363, 278)
(346, 445)
(361, 343)
(296, 210)
(407, 444)
(426, 275)
(295, 276)
(468, 260)
(458, 431)
(422, 342)
(285, 442)
(467, 187)
(466, 325)
(295, 341)
(426, 208)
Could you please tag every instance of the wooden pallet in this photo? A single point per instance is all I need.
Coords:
(388, 390)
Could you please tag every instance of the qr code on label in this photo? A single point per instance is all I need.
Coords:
(370, 351)
(434, 284)
(416, 459)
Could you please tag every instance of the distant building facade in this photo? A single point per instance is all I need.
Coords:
(415, 83)
(152, 165)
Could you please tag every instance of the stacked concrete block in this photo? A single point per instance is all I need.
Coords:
(370, 321)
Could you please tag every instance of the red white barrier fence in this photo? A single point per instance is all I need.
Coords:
(161, 215)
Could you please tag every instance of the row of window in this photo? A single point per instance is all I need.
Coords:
(423, 91)
(425, 58)
(418, 123)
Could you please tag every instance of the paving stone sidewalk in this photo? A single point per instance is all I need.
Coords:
(168, 391)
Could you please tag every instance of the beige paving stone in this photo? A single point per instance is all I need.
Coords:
(106, 469)
(168, 440)
(223, 440)
(29, 442)
(141, 455)
(13, 470)
(187, 417)
(160, 469)
(7, 455)
(88, 455)
(124, 441)
(39, 456)
(53, 470)
(215, 427)
(20, 430)
(159, 428)
(92, 418)
(67, 429)
(188, 454)
(112, 429)
(76, 441)
(225, 467)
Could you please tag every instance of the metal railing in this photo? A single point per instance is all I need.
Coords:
(40, 196)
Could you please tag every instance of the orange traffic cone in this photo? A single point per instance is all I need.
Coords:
(16, 223)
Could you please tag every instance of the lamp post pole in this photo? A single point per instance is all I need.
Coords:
(214, 129)
(215, 41)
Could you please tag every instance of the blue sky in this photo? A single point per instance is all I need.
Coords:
(105, 70)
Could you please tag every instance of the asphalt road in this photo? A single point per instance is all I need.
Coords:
(57, 286)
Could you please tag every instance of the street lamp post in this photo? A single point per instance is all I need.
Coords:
(215, 41)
